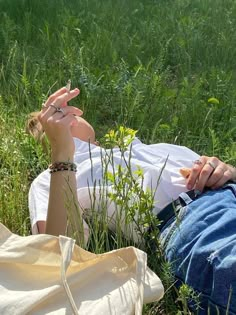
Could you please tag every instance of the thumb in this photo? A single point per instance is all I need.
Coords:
(185, 172)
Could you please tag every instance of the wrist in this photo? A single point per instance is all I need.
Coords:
(63, 151)
(62, 157)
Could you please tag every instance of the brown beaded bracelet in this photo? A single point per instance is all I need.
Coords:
(62, 166)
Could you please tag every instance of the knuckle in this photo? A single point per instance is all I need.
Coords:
(217, 173)
(224, 165)
(56, 102)
(215, 159)
(195, 169)
(227, 176)
(204, 171)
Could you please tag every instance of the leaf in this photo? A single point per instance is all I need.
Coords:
(213, 100)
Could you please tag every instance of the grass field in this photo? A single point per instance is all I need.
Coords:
(166, 68)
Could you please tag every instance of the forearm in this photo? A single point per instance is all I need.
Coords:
(57, 120)
(57, 212)
(63, 203)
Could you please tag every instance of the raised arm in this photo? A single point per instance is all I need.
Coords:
(57, 120)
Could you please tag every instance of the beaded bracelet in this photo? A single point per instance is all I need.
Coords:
(62, 166)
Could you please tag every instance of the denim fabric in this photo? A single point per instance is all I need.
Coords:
(201, 245)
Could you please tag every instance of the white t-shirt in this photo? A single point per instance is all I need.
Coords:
(154, 159)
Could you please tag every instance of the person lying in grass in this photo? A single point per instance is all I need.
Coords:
(197, 214)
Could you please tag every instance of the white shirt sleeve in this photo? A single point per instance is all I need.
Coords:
(38, 199)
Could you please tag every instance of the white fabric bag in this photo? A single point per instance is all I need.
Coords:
(43, 274)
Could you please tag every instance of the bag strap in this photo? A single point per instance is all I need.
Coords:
(67, 247)
(141, 268)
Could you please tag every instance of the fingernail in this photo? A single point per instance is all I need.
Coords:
(79, 113)
(189, 186)
(197, 192)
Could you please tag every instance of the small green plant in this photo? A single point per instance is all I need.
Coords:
(137, 63)
(133, 222)
(122, 137)
(134, 205)
(187, 295)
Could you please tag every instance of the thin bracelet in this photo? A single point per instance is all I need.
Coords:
(62, 166)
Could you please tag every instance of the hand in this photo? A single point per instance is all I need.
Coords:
(57, 123)
(209, 172)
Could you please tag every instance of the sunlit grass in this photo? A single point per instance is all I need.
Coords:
(154, 66)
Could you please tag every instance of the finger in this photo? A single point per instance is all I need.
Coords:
(68, 119)
(60, 123)
(46, 113)
(185, 172)
(206, 172)
(66, 97)
(64, 104)
(56, 117)
(52, 115)
(195, 171)
(217, 174)
(54, 96)
(224, 179)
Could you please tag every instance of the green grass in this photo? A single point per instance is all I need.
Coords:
(150, 65)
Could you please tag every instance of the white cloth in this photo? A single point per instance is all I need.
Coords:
(155, 160)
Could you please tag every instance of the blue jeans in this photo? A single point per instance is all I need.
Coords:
(201, 246)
